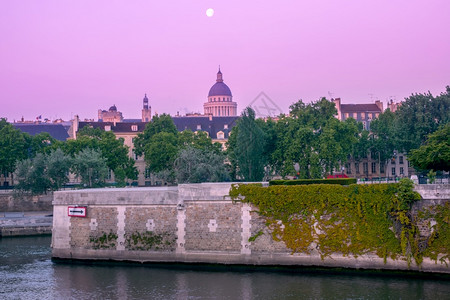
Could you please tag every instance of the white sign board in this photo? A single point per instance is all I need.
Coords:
(76, 211)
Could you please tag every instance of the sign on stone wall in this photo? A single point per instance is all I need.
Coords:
(76, 211)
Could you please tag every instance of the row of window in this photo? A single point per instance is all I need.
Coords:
(373, 169)
(133, 128)
(361, 115)
(218, 99)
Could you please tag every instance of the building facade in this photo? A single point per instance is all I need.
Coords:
(363, 113)
(110, 115)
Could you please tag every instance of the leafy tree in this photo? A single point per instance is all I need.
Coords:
(160, 152)
(420, 115)
(434, 154)
(90, 166)
(385, 138)
(14, 146)
(43, 172)
(112, 149)
(198, 140)
(159, 123)
(194, 165)
(32, 175)
(43, 143)
(58, 167)
(249, 148)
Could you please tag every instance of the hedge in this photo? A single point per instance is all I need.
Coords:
(340, 181)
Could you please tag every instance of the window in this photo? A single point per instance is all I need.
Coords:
(147, 173)
(134, 127)
(393, 171)
(373, 154)
(220, 135)
(365, 168)
(402, 171)
(346, 115)
(382, 168)
(364, 125)
(108, 128)
(363, 115)
(374, 168)
(357, 168)
(225, 126)
(199, 127)
(400, 160)
(349, 168)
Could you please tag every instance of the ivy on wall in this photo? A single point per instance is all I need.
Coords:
(352, 220)
(104, 241)
(149, 240)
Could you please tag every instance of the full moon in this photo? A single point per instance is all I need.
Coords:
(210, 12)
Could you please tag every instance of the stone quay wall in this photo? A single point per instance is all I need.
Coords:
(9, 203)
(191, 223)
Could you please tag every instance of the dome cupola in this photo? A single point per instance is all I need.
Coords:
(220, 100)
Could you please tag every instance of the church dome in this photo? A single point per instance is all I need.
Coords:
(219, 88)
(113, 108)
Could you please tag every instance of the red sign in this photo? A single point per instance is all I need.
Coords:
(76, 211)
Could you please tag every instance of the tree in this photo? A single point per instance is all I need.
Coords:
(43, 173)
(194, 165)
(249, 148)
(112, 149)
(90, 167)
(32, 175)
(198, 140)
(420, 115)
(43, 143)
(385, 138)
(159, 123)
(14, 146)
(58, 167)
(434, 154)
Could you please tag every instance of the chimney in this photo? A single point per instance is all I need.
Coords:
(379, 104)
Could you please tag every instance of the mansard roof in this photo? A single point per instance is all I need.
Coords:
(351, 108)
(210, 124)
(56, 131)
(117, 127)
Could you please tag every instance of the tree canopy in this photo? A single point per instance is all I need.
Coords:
(434, 154)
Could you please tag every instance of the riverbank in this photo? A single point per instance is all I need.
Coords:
(201, 224)
(25, 223)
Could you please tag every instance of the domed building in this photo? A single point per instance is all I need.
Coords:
(111, 115)
(220, 100)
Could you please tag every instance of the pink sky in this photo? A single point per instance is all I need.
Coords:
(61, 58)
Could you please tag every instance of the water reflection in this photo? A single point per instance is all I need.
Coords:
(26, 272)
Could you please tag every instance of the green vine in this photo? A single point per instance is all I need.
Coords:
(438, 243)
(105, 241)
(149, 240)
(351, 220)
(254, 237)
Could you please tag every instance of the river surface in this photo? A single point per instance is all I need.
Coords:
(27, 272)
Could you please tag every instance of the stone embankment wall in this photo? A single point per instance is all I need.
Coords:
(195, 223)
(9, 203)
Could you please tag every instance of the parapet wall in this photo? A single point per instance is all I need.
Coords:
(9, 203)
(194, 223)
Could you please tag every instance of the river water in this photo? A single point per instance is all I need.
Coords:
(27, 272)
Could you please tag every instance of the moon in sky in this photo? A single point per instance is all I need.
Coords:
(210, 12)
